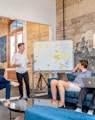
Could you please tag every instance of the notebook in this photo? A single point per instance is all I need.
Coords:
(62, 76)
(2, 71)
(89, 82)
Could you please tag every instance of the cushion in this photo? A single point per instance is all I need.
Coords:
(50, 113)
(70, 77)
(70, 94)
(93, 74)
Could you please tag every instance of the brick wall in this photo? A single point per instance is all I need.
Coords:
(71, 2)
(59, 19)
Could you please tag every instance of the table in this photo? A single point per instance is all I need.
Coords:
(16, 106)
(29, 103)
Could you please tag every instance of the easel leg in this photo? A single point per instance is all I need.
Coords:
(40, 81)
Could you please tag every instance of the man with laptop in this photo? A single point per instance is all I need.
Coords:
(89, 87)
(65, 85)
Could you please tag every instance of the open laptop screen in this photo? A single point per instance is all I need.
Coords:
(89, 82)
(62, 76)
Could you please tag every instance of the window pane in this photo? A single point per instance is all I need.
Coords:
(12, 46)
(13, 26)
(19, 38)
(19, 23)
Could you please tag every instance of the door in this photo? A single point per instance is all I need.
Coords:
(14, 39)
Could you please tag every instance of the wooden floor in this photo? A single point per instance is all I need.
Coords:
(5, 113)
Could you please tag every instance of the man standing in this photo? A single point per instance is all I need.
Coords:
(20, 61)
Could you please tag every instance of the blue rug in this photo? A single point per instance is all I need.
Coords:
(37, 112)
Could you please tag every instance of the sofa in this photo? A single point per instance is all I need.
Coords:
(71, 96)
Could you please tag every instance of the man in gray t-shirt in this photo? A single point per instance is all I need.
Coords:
(79, 76)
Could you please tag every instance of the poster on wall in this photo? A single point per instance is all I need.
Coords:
(53, 55)
(3, 49)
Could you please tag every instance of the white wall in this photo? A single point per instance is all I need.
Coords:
(39, 11)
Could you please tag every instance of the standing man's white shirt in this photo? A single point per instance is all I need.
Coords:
(19, 58)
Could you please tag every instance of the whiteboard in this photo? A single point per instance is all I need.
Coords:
(53, 55)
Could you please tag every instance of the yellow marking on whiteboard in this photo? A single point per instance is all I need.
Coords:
(57, 56)
(56, 51)
(36, 57)
(40, 47)
(48, 65)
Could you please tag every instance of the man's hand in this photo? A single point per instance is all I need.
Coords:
(78, 85)
(76, 68)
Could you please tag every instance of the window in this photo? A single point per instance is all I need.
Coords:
(16, 24)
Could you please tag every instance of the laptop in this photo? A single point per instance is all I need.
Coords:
(89, 82)
(2, 71)
(62, 76)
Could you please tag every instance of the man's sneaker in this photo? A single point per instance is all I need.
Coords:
(21, 97)
(90, 112)
(6, 104)
(15, 84)
(78, 110)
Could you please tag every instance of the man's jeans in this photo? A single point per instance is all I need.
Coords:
(82, 96)
(5, 84)
(20, 77)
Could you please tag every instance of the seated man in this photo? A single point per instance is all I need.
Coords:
(82, 96)
(6, 84)
(64, 85)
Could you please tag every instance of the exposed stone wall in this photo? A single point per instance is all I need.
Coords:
(79, 28)
(81, 31)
